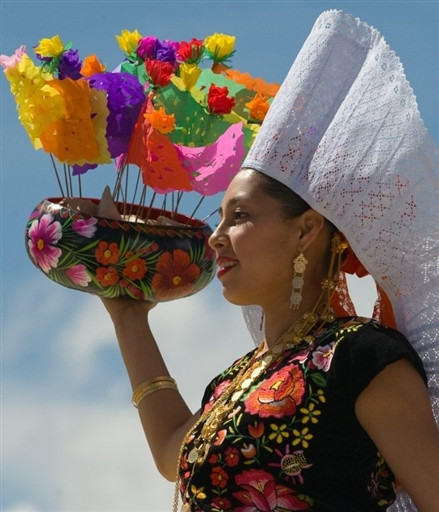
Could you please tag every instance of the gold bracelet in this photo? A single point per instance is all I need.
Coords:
(151, 386)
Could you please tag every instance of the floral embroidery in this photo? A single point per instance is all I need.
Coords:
(264, 452)
(279, 395)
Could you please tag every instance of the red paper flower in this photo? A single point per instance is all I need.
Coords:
(191, 51)
(218, 101)
(159, 72)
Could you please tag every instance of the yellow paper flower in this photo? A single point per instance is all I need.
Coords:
(189, 74)
(258, 107)
(160, 120)
(38, 105)
(50, 47)
(128, 40)
(99, 114)
(220, 46)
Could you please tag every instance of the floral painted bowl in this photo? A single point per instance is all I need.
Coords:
(117, 258)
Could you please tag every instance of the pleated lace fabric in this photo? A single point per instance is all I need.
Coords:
(345, 133)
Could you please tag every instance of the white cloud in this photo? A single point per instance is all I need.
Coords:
(68, 450)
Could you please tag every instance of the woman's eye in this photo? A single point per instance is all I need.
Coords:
(239, 215)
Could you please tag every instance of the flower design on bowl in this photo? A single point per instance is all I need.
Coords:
(116, 258)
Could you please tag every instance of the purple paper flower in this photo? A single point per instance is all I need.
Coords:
(82, 169)
(44, 234)
(147, 48)
(152, 48)
(70, 65)
(125, 96)
(167, 51)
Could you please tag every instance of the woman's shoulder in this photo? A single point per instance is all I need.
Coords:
(363, 347)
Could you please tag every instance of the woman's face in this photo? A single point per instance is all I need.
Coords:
(255, 245)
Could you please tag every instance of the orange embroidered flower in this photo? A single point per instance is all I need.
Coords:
(174, 271)
(256, 430)
(107, 253)
(107, 276)
(278, 396)
(249, 451)
(258, 107)
(135, 269)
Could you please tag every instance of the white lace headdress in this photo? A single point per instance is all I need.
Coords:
(344, 132)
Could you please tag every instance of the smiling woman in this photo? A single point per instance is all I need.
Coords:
(58, 352)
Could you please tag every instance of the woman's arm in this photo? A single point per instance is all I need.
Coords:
(395, 411)
(164, 414)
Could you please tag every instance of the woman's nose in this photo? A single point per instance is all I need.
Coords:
(218, 238)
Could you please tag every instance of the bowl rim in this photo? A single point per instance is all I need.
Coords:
(149, 212)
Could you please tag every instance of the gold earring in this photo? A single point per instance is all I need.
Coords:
(300, 263)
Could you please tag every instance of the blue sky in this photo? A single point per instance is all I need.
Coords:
(71, 440)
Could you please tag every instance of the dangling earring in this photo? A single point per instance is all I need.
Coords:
(300, 264)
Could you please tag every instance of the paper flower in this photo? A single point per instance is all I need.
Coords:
(173, 109)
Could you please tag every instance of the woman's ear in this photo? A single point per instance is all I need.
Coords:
(311, 225)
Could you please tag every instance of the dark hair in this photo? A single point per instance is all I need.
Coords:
(292, 204)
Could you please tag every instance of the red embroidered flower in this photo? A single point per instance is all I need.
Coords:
(159, 72)
(220, 503)
(278, 396)
(232, 457)
(219, 477)
(218, 101)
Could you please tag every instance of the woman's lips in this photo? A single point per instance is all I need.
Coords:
(225, 265)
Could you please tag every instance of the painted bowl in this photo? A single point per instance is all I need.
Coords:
(117, 258)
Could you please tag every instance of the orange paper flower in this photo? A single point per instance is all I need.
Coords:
(91, 65)
(160, 120)
(258, 107)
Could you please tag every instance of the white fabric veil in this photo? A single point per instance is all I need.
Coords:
(344, 132)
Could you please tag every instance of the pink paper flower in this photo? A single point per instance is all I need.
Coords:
(44, 234)
(7, 62)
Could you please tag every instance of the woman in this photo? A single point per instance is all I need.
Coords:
(313, 447)
(330, 412)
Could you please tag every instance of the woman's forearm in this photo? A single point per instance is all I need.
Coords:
(164, 414)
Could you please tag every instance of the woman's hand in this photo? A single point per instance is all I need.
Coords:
(119, 307)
